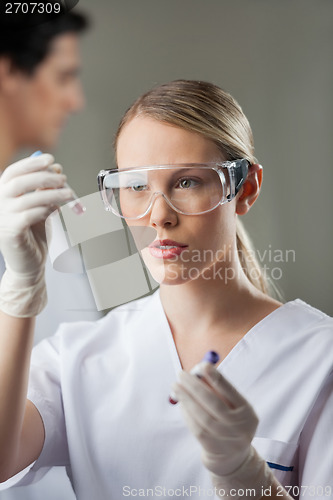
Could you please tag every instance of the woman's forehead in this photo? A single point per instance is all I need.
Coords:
(146, 141)
(203, 171)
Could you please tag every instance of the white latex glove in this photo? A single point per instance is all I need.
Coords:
(224, 423)
(30, 190)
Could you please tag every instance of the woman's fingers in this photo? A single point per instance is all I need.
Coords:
(203, 393)
(223, 387)
(201, 423)
(21, 221)
(27, 165)
(213, 386)
(35, 215)
(25, 211)
(215, 432)
(48, 197)
(216, 396)
(38, 199)
(30, 182)
(56, 168)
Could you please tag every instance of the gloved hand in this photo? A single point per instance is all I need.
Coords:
(224, 423)
(30, 190)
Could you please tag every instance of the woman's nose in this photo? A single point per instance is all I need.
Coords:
(162, 213)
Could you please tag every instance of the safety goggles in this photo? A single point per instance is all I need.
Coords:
(189, 189)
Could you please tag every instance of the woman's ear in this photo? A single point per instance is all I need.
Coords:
(250, 189)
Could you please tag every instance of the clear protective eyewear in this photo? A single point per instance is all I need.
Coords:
(188, 188)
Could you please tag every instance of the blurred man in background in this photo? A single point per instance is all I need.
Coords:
(39, 81)
(39, 89)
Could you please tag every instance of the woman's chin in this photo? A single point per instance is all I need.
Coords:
(163, 276)
(167, 274)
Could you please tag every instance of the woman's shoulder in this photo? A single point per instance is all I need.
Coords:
(295, 326)
(305, 316)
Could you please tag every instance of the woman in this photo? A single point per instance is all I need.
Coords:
(98, 392)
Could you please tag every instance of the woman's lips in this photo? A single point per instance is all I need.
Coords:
(166, 249)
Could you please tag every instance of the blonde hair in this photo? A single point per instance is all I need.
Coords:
(204, 108)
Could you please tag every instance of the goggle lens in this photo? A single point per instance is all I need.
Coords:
(190, 189)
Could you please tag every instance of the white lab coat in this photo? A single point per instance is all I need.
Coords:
(102, 391)
(69, 299)
(78, 272)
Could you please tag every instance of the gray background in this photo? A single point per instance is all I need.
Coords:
(275, 58)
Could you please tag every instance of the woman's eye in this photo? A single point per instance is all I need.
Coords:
(187, 183)
(137, 187)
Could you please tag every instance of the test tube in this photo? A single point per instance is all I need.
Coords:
(211, 357)
(75, 205)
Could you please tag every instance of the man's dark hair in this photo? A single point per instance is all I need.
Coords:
(26, 40)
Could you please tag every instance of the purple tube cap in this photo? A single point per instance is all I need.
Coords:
(212, 357)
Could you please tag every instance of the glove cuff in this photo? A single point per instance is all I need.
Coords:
(253, 475)
(22, 296)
